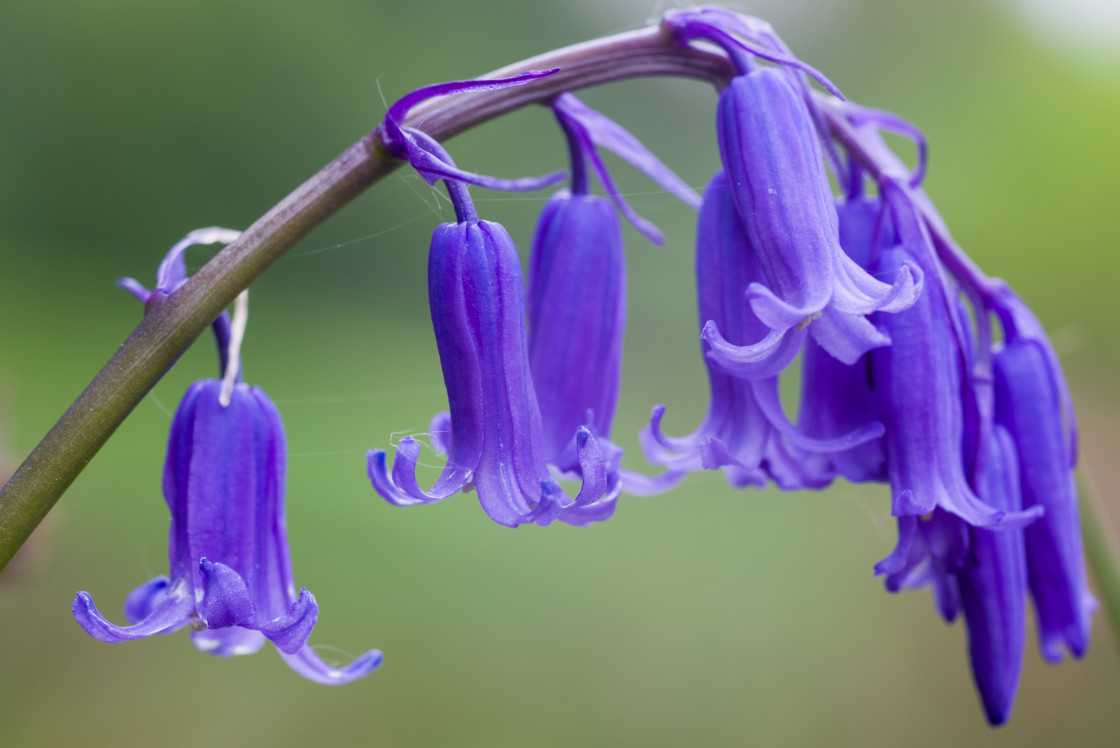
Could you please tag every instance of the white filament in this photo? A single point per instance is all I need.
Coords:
(236, 335)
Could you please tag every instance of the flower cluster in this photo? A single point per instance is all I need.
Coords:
(903, 381)
(526, 404)
(916, 370)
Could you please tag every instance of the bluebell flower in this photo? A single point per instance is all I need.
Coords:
(770, 149)
(745, 431)
(523, 408)
(920, 376)
(577, 316)
(493, 433)
(837, 398)
(577, 301)
(494, 442)
(993, 585)
(1031, 403)
(230, 575)
(771, 275)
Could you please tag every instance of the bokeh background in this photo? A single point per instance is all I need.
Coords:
(704, 617)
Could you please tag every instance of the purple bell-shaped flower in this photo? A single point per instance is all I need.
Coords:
(577, 315)
(230, 570)
(993, 585)
(837, 397)
(769, 141)
(774, 163)
(493, 434)
(478, 311)
(745, 431)
(577, 301)
(1029, 404)
(919, 378)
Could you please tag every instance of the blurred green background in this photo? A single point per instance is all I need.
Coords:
(704, 617)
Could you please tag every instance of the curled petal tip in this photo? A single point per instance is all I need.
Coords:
(400, 488)
(290, 632)
(778, 314)
(308, 664)
(135, 288)
(593, 468)
(905, 290)
(906, 504)
(637, 484)
(978, 514)
(225, 596)
(1019, 519)
(172, 612)
(760, 360)
(377, 468)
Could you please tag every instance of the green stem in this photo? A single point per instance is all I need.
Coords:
(168, 328)
(1101, 547)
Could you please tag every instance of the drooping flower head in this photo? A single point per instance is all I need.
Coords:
(979, 439)
(771, 275)
(493, 434)
(1010, 406)
(230, 574)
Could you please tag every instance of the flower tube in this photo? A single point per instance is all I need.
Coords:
(577, 300)
(1028, 405)
(231, 573)
(769, 133)
(993, 586)
(770, 150)
(577, 315)
(837, 397)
